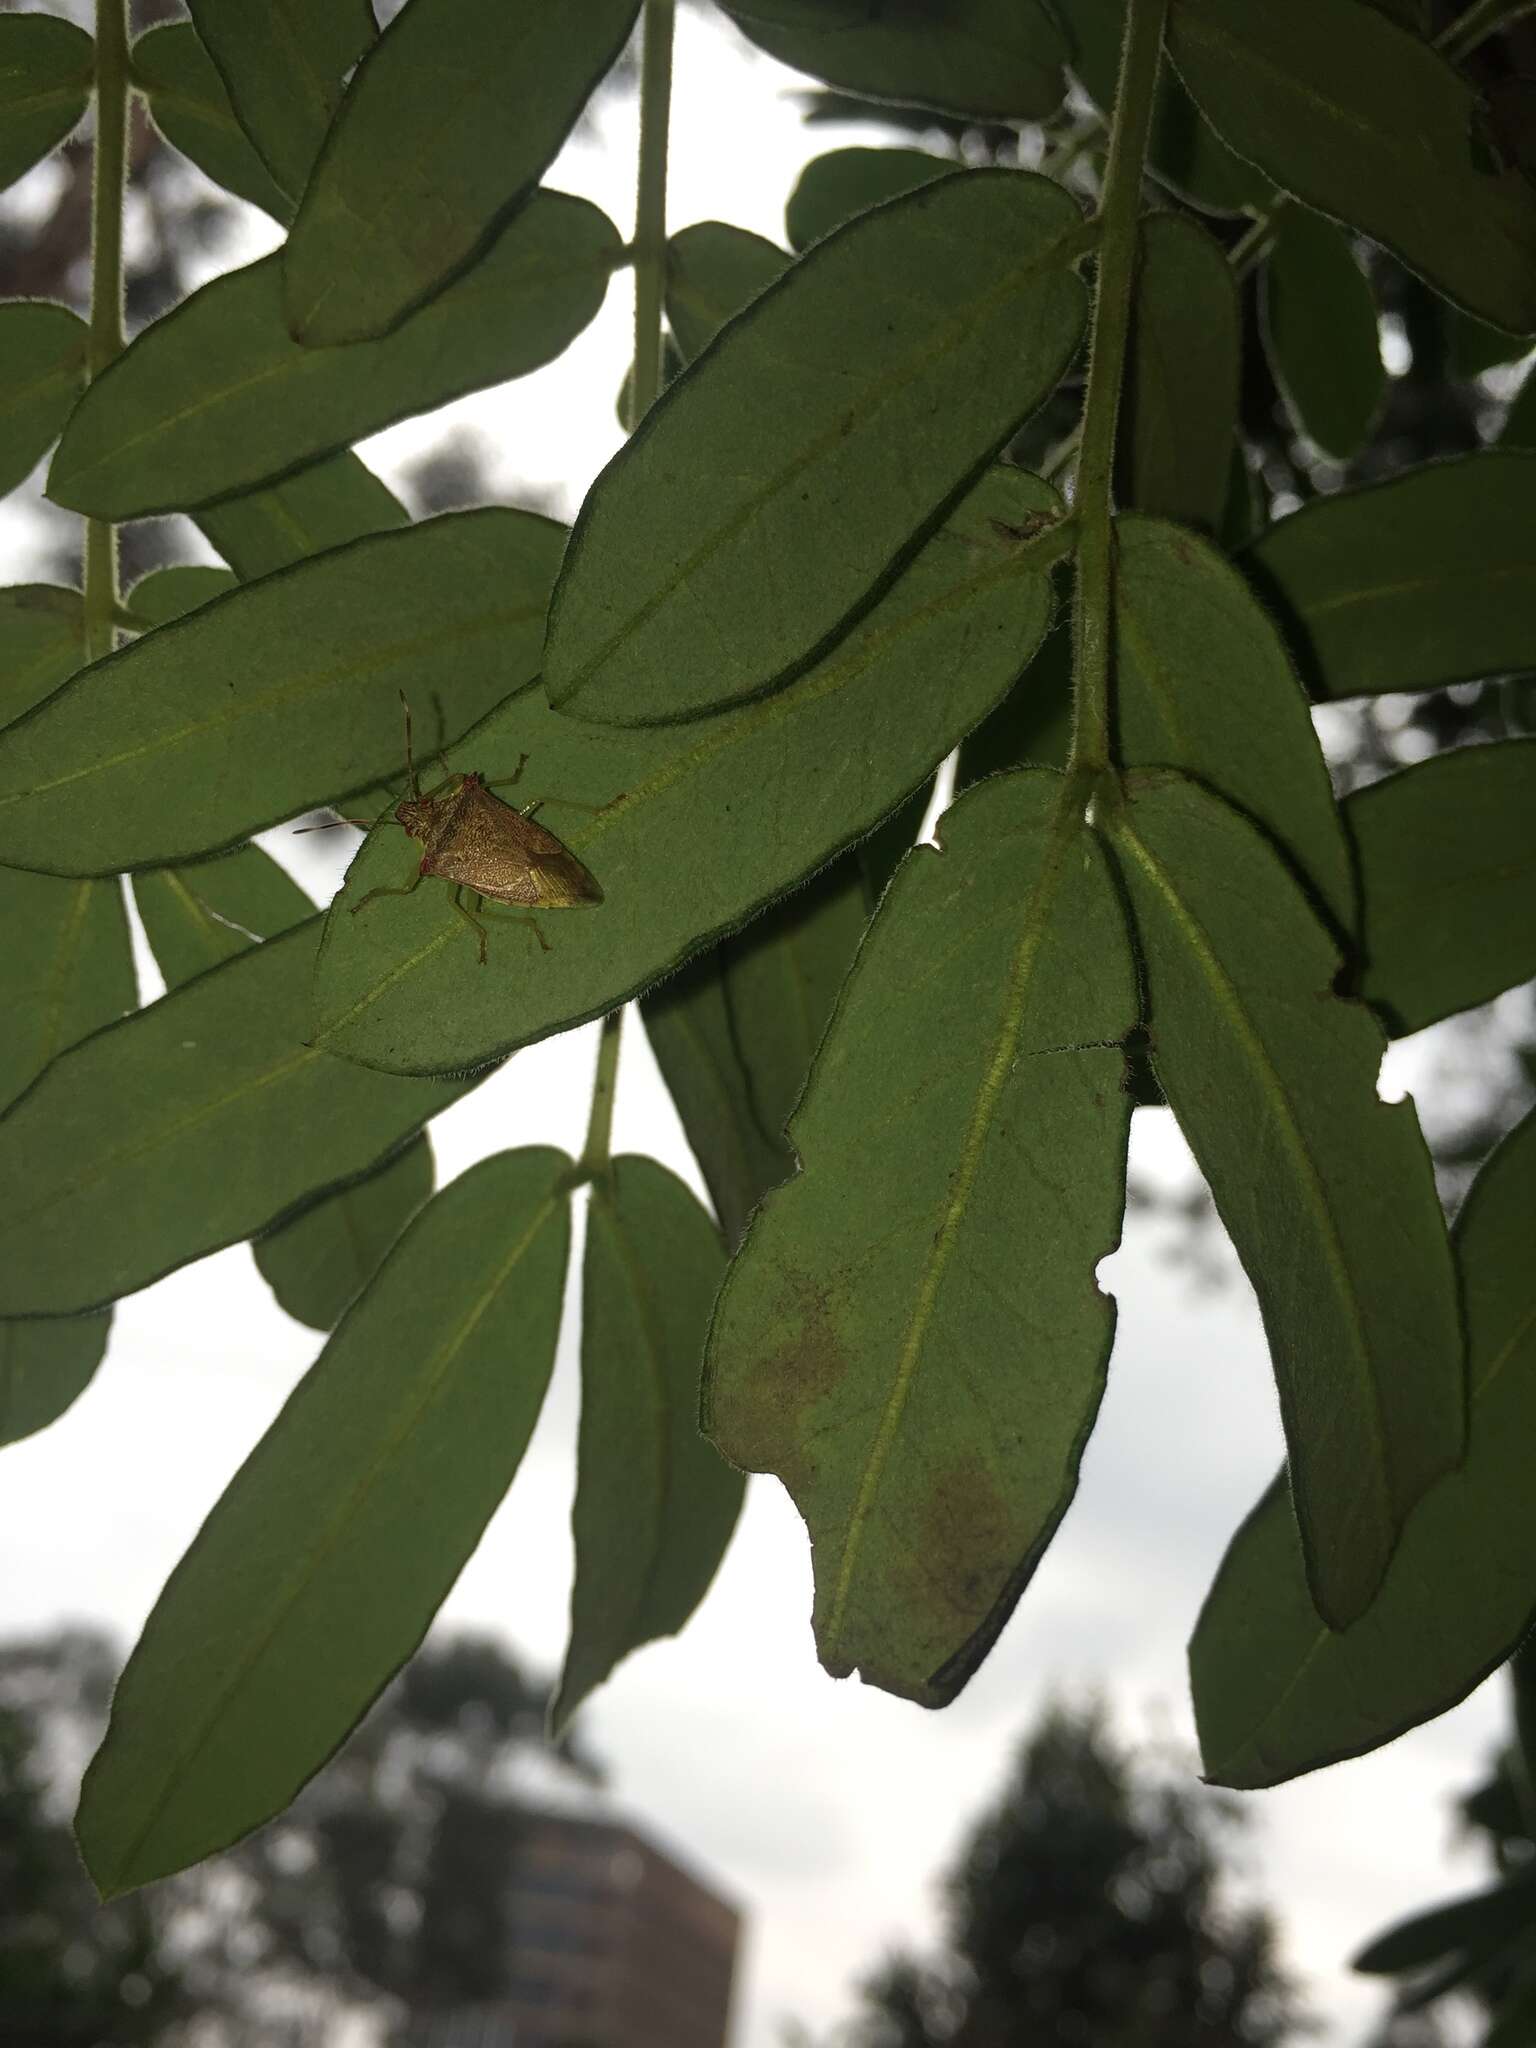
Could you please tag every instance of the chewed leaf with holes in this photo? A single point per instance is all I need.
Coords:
(911, 1337)
(273, 1635)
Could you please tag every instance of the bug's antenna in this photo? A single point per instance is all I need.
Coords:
(410, 761)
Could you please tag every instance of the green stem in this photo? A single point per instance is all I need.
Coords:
(108, 181)
(1119, 211)
(594, 1153)
(1482, 19)
(650, 243)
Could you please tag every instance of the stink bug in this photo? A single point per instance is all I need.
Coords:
(470, 838)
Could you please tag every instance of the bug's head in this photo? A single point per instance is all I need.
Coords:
(415, 814)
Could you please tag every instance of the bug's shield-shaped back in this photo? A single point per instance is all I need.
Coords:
(477, 840)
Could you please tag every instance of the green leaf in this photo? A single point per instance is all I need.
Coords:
(691, 1033)
(139, 762)
(998, 59)
(217, 397)
(655, 1505)
(1487, 1921)
(1427, 579)
(1447, 855)
(1203, 684)
(910, 1336)
(196, 916)
(184, 1128)
(837, 187)
(1032, 727)
(166, 594)
(68, 965)
(45, 81)
(1275, 1694)
(336, 1542)
(713, 272)
(1319, 325)
(1367, 123)
(451, 120)
(44, 1367)
(1184, 152)
(42, 371)
(324, 506)
(283, 67)
(701, 826)
(954, 312)
(320, 1261)
(192, 111)
(1181, 392)
(1326, 1191)
(1472, 346)
(42, 643)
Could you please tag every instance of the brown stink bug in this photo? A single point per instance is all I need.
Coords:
(485, 848)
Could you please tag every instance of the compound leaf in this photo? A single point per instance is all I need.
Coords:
(1447, 854)
(700, 826)
(218, 397)
(1427, 579)
(1319, 324)
(655, 1504)
(1325, 1190)
(1181, 392)
(192, 111)
(42, 372)
(450, 121)
(768, 490)
(910, 1336)
(186, 1127)
(198, 915)
(316, 1575)
(46, 69)
(1275, 1693)
(319, 1261)
(1366, 122)
(284, 68)
(280, 696)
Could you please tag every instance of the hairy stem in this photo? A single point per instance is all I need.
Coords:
(594, 1153)
(1482, 19)
(1119, 210)
(108, 181)
(650, 244)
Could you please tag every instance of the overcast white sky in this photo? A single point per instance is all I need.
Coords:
(825, 1809)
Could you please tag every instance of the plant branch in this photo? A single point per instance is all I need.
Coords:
(650, 243)
(1119, 211)
(108, 182)
(594, 1153)
(1482, 19)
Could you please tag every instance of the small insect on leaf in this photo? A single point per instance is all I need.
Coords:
(488, 850)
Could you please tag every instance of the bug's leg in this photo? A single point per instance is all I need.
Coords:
(569, 803)
(506, 781)
(408, 890)
(518, 917)
(471, 920)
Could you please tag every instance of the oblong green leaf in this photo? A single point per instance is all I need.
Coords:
(1000, 59)
(1203, 683)
(42, 643)
(68, 964)
(1275, 1693)
(910, 1336)
(819, 433)
(184, 1128)
(316, 1575)
(45, 81)
(1325, 1190)
(1319, 325)
(1484, 1922)
(284, 67)
(42, 372)
(1366, 122)
(280, 696)
(198, 915)
(217, 396)
(1181, 391)
(192, 111)
(320, 1260)
(713, 271)
(451, 119)
(1032, 727)
(701, 826)
(1427, 579)
(166, 594)
(324, 506)
(655, 1504)
(836, 187)
(1447, 854)
(45, 1367)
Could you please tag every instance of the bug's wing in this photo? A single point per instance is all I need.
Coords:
(501, 854)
